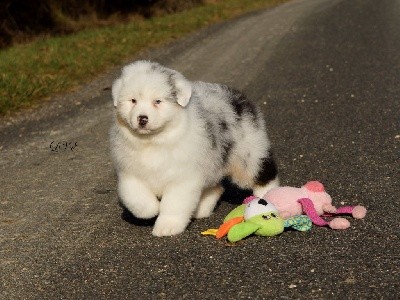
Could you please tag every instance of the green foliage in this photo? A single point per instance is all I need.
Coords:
(35, 71)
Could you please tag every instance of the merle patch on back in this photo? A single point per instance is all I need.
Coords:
(211, 134)
(241, 104)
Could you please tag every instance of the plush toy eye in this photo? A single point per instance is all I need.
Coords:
(274, 215)
(266, 217)
(157, 101)
(133, 101)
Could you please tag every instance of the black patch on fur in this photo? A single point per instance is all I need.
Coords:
(226, 140)
(242, 105)
(226, 151)
(171, 83)
(155, 67)
(268, 170)
(233, 194)
(211, 134)
(174, 94)
(223, 125)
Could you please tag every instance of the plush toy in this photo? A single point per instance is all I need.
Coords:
(257, 216)
(312, 200)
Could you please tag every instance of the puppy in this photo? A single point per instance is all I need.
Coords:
(174, 140)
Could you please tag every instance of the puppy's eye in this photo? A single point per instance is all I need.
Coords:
(266, 217)
(133, 101)
(157, 101)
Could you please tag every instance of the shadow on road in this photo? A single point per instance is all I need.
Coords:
(232, 194)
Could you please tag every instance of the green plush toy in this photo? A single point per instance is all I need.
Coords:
(259, 217)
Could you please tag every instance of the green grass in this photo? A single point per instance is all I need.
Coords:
(33, 72)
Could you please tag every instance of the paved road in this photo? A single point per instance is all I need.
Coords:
(327, 74)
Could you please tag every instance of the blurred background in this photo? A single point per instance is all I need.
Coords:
(22, 21)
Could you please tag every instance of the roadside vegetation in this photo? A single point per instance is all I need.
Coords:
(32, 72)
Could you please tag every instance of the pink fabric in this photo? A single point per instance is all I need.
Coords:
(309, 209)
(359, 212)
(249, 199)
(345, 210)
(315, 186)
(337, 223)
(311, 199)
(285, 199)
(341, 210)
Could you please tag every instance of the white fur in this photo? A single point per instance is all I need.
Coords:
(172, 167)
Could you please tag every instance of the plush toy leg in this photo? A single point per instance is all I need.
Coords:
(225, 227)
(309, 209)
(358, 212)
(339, 223)
(300, 223)
(344, 210)
(242, 230)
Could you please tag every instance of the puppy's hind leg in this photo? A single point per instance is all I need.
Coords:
(267, 176)
(208, 200)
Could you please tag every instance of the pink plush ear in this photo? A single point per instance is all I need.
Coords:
(314, 186)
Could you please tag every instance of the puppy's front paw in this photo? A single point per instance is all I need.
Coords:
(146, 210)
(167, 226)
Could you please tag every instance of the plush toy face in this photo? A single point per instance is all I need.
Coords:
(258, 206)
(270, 224)
(258, 217)
(266, 224)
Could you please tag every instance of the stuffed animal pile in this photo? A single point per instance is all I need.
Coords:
(312, 200)
(285, 207)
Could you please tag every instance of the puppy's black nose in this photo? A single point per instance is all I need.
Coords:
(143, 120)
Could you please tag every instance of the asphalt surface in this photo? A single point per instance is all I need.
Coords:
(327, 75)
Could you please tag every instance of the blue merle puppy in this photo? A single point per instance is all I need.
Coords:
(173, 141)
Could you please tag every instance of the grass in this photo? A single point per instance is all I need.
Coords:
(32, 73)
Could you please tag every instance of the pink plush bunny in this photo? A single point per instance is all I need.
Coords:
(312, 200)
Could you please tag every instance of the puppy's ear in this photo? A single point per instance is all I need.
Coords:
(183, 90)
(115, 90)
